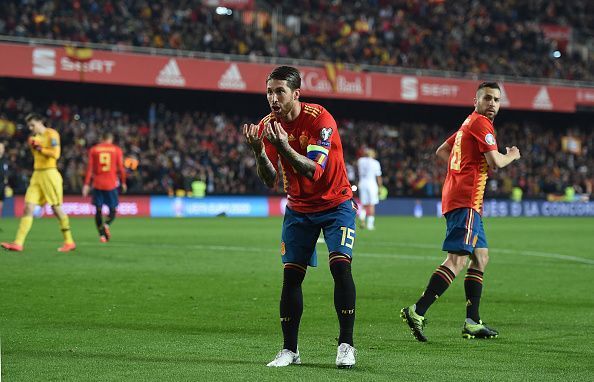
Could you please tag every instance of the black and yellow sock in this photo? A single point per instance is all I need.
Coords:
(473, 287)
(291, 304)
(438, 283)
(344, 296)
(65, 228)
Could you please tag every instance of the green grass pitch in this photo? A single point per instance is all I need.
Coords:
(197, 299)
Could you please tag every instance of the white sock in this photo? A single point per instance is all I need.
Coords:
(370, 221)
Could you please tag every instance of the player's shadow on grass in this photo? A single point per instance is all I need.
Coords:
(173, 359)
(328, 366)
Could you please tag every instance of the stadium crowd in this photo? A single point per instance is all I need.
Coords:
(166, 151)
(501, 37)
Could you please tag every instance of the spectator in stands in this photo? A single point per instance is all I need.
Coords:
(500, 37)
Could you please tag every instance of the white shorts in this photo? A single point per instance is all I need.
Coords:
(368, 193)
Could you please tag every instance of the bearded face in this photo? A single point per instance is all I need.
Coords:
(487, 102)
(281, 98)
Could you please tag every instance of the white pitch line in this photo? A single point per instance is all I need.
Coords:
(548, 255)
(255, 249)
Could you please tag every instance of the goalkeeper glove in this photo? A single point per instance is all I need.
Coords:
(35, 145)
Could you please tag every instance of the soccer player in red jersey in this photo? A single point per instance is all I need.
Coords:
(303, 139)
(105, 161)
(469, 152)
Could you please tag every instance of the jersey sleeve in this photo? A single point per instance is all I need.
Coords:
(120, 165)
(450, 141)
(89, 168)
(53, 150)
(484, 134)
(378, 168)
(320, 142)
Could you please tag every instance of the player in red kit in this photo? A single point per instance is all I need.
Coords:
(469, 152)
(303, 139)
(105, 161)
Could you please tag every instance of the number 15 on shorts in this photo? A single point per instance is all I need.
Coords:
(348, 237)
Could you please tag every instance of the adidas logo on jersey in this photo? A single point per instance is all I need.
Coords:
(542, 100)
(170, 75)
(231, 79)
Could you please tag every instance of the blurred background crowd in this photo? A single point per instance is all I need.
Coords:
(166, 151)
(519, 38)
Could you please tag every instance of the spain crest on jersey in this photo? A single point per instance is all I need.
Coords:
(303, 139)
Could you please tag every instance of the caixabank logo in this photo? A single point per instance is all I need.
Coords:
(332, 81)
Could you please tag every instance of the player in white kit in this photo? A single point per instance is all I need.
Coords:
(370, 182)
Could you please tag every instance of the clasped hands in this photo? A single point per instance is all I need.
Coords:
(274, 132)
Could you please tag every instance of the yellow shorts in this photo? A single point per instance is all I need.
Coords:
(45, 187)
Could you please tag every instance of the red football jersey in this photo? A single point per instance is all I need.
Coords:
(105, 161)
(313, 134)
(465, 181)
